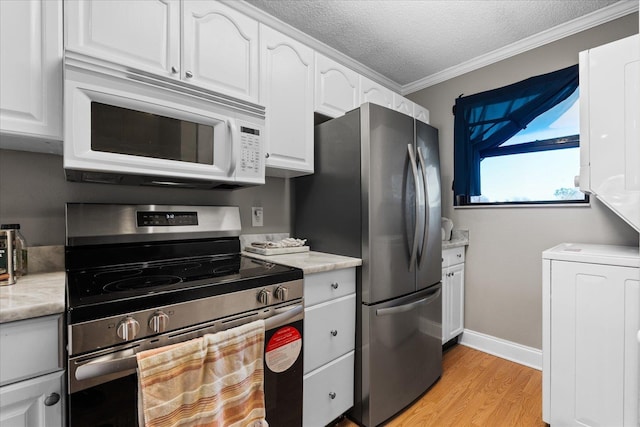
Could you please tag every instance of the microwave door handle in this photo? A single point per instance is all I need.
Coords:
(235, 139)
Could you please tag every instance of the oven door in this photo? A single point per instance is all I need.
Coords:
(103, 386)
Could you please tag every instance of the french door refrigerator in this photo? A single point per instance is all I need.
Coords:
(375, 195)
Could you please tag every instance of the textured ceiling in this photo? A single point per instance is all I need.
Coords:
(407, 40)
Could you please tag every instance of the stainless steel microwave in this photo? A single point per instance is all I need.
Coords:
(123, 128)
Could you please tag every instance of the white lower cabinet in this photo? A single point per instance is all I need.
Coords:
(329, 344)
(328, 391)
(452, 293)
(591, 321)
(33, 403)
(32, 392)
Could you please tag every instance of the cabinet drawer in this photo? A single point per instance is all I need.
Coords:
(452, 256)
(29, 348)
(320, 287)
(328, 392)
(329, 331)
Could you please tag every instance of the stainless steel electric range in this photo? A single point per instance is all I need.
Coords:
(146, 276)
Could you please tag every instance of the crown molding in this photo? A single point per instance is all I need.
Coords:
(275, 23)
(593, 19)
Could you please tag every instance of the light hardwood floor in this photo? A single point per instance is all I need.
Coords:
(476, 389)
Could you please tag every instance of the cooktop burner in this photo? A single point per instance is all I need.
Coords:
(133, 283)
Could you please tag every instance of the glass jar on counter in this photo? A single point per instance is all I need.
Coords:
(7, 272)
(20, 255)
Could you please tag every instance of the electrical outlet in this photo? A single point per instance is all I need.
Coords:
(256, 217)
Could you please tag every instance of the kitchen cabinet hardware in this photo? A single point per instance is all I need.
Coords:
(52, 399)
(334, 332)
(332, 395)
(174, 70)
(188, 74)
(266, 155)
(334, 285)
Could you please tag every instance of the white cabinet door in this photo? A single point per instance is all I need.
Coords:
(286, 90)
(452, 293)
(220, 49)
(402, 104)
(31, 69)
(455, 283)
(336, 88)
(37, 402)
(371, 91)
(593, 374)
(420, 113)
(328, 391)
(113, 30)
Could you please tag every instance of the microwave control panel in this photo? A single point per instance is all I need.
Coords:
(250, 152)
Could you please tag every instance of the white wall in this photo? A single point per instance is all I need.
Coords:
(33, 193)
(503, 268)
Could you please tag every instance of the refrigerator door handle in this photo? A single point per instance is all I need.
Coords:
(425, 236)
(410, 306)
(414, 169)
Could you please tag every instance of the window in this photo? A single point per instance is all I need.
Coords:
(519, 144)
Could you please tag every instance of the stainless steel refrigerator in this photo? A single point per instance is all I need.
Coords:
(375, 195)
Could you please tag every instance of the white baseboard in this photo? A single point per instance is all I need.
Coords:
(518, 353)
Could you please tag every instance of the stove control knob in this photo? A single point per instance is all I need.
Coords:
(264, 297)
(128, 328)
(159, 322)
(281, 293)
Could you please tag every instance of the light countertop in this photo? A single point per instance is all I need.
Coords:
(33, 295)
(458, 238)
(310, 262)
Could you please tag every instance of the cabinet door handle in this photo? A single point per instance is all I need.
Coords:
(188, 74)
(332, 394)
(52, 399)
(174, 70)
(266, 155)
(334, 333)
(334, 285)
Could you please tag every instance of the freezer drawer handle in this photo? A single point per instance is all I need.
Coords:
(407, 307)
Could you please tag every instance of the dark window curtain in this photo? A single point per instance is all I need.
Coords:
(485, 120)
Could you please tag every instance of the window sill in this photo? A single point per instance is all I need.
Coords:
(531, 205)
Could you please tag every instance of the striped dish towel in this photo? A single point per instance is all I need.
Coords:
(213, 381)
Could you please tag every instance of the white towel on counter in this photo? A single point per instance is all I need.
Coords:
(216, 380)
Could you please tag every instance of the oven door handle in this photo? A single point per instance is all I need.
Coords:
(283, 316)
(99, 368)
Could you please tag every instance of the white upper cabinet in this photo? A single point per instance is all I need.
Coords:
(371, 91)
(141, 34)
(31, 69)
(286, 90)
(220, 49)
(336, 87)
(205, 43)
(420, 113)
(402, 104)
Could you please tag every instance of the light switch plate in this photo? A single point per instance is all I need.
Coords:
(256, 217)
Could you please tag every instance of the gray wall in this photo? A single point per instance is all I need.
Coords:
(33, 192)
(503, 269)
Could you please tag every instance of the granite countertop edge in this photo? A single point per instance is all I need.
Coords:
(34, 295)
(310, 262)
(458, 238)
